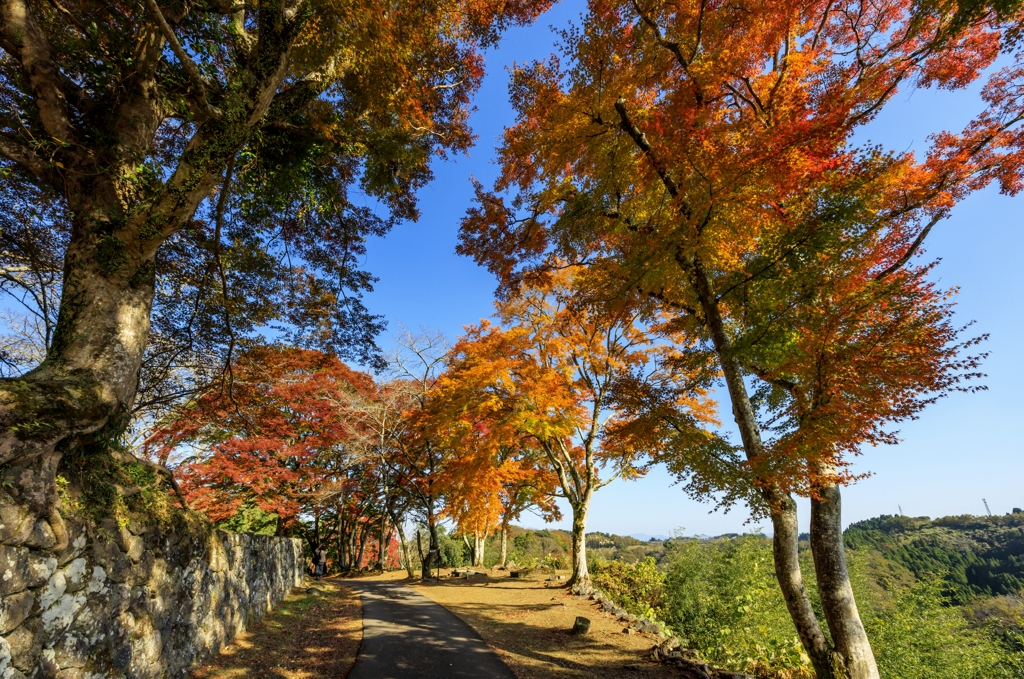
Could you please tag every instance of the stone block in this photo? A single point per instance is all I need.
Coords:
(14, 576)
(26, 643)
(14, 609)
(42, 536)
(41, 566)
(16, 524)
(76, 575)
(116, 563)
(136, 546)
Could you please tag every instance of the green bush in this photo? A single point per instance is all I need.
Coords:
(637, 587)
(920, 636)
(722, 598)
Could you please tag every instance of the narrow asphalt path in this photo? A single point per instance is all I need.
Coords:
(408, 636)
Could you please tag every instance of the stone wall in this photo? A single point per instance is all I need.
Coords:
(136, 601)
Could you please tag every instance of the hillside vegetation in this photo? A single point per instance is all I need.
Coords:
(976, 555)
(940, 599)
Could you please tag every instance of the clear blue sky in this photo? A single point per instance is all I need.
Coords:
(962, 449)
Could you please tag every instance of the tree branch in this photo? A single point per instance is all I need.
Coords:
(640, 139)
(25, 41)
(13, 150)
(186, 61)
(911, 250)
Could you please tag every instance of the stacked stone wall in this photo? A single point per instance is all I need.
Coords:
(135, 601)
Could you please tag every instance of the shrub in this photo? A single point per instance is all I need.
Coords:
(722, 597)
(637, 587)
(920, 636)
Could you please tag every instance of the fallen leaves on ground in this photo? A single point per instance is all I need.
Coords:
(307, 636)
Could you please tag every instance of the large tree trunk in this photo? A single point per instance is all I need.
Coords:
(844, 624)
(781, 506)
(580, 579)
(79, 397)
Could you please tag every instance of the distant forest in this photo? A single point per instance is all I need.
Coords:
(977, 555)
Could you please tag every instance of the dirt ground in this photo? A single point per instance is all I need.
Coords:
(527, 623)
(305, 637)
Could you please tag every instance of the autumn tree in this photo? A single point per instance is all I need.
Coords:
(139, 116)
(549, 375)
(420, 456)
(495, 472)
(277, 440)
(676, 144)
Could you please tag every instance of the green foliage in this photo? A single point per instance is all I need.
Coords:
(637, 587)
(918, 635)
(250, 519)
(722, 597)
(530, 548)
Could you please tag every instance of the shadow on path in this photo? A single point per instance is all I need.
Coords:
(408, 636)
(306, 636)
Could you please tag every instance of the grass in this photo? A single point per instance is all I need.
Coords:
(527, 623)
(305, 637)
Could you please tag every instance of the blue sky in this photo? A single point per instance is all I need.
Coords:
(964, 448)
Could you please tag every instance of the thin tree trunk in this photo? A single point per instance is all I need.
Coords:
(383, 538)
(837, 601)
(479, 544)
(405, 547)
(580, 579)
(434, 551)
(504, 544)
(342, 550)
(785, 548)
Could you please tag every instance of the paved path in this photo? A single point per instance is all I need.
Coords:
(408, 636)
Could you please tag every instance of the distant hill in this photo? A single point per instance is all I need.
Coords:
(979, 555)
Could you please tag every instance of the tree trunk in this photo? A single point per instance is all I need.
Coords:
(363, 537)
(504, 544)
(479, 544)
(405, 553)
(837, 601)
(78, 399)
(786, 550)
(434, 552)
(383, 538)
(342, 550)
(781, 506)
(580, 579)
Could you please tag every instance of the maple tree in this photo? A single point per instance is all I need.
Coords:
(277, 440)
(549, 376)
(496, 472)
(257, 117)
(679, 144)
